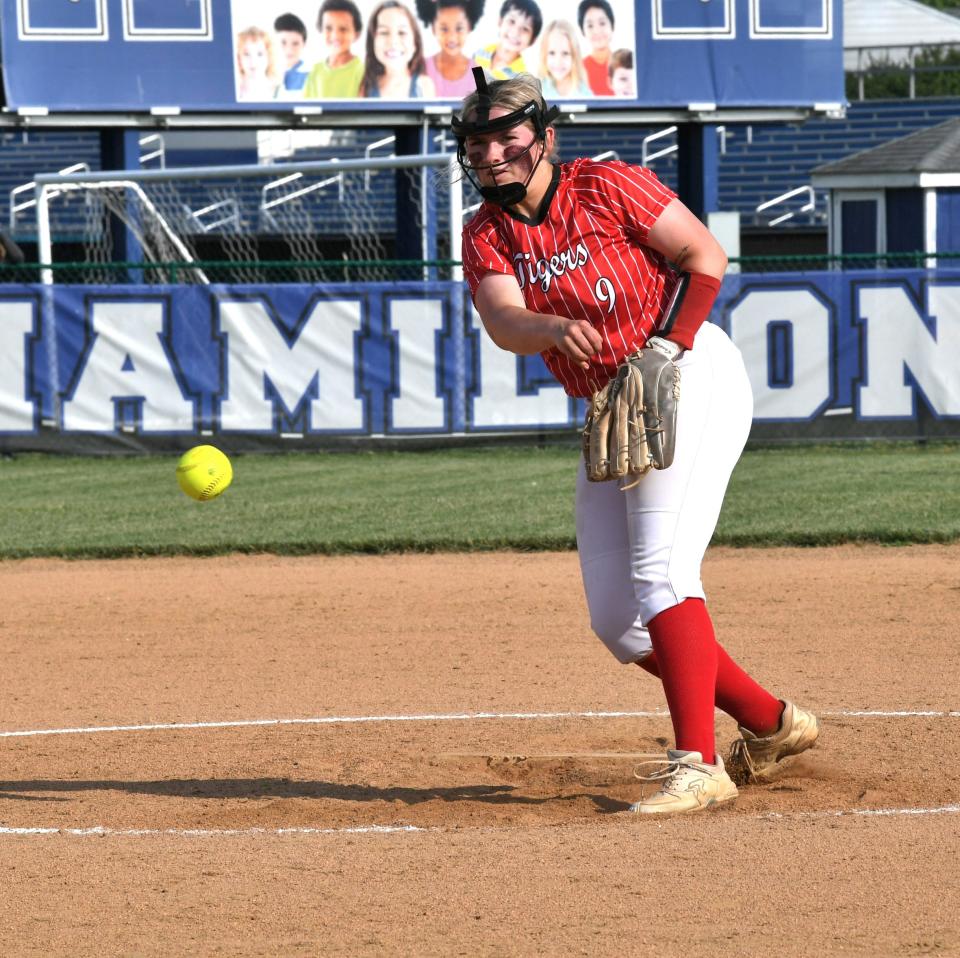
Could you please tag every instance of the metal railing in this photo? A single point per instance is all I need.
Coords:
(17, 207)
(268, 204)
(875, 62)
(228, 214)
(807, 207)
(157, 152)
(368, 152)
(646, 156)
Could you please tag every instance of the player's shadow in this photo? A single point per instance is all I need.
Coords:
(273, 788)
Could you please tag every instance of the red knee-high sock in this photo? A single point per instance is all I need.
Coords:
(686, 650)
(737, 694)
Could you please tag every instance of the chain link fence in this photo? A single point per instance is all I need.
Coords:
(253, 271)
(234, 272)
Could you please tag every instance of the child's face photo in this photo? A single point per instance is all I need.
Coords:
(339, 33)
(291, 46)
(451, 28)
(622, 82)
(393, 44)
(559, 55)
(597, 28)
(515, 32)
(254, 59)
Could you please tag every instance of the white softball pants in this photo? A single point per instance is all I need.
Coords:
(641, 549)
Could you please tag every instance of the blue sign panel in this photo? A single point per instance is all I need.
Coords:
(172, 17)
(693, 18)
(243, 55)
(80, 18)
(805, 17)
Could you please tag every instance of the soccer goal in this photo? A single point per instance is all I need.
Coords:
(372, 219)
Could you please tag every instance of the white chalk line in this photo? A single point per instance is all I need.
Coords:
(441, 717)
(100, 831)
(865, 812)
(330, 720)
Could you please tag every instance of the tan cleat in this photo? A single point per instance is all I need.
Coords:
(687, 784)
(754, 758)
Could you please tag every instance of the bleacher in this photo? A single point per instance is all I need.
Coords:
(773, 159)
(760, 162)
(757, 162)
(29, 152)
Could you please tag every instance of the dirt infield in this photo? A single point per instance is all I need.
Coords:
(421, 755)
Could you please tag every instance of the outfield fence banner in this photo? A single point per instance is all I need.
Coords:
(832, 355)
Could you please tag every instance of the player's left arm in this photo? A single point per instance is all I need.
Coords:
(683, 240)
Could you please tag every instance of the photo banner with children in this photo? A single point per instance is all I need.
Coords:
(426, 49)
(371, 55)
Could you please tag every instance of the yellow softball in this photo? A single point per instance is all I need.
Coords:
(204, 472)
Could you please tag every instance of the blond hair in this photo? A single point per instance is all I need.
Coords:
(512, 94)
(578, 76)
(256, 35)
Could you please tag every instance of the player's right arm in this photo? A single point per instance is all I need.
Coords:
(517, 329)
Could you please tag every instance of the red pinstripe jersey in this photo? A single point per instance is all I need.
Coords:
(585, 259)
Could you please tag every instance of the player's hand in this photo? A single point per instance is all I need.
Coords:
(577, 339)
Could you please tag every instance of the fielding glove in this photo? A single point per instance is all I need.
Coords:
(631, 423)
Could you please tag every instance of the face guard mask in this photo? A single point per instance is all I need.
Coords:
(503, 194)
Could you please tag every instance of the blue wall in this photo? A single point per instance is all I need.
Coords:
(905, 221)
(948, 219)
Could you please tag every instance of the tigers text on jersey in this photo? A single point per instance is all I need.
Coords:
(584, 258)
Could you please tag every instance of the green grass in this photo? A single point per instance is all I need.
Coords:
(457, 499)
(895, 493)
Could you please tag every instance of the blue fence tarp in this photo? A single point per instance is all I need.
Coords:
(830, 355)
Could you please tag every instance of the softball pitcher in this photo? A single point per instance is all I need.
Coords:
(601, 269)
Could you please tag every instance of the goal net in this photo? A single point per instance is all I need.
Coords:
(322, 221)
